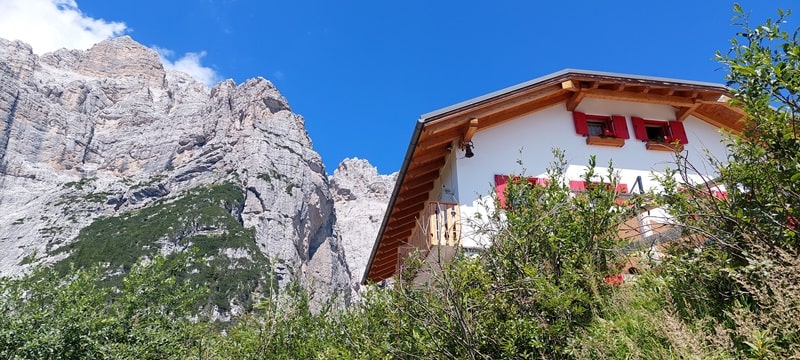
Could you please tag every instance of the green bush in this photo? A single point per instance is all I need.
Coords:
(47, 316)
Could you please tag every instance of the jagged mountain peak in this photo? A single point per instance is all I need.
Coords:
(115, 58)
(95, 138)
(361, 195)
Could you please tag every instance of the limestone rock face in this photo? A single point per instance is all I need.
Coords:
(105, 131)
(361, 196)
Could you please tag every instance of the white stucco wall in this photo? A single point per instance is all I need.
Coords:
(530, 139)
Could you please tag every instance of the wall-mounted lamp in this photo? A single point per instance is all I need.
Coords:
(468, 150)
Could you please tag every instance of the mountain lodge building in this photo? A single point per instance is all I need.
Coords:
(459, 156)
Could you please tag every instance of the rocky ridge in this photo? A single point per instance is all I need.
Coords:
(101, 133)
(360, 198)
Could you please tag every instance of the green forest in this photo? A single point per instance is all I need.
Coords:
(728, 289)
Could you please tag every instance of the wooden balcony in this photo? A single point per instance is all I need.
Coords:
(444, 223)
(439, 224)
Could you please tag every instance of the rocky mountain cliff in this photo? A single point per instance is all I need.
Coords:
(107, 157)
(360, 195)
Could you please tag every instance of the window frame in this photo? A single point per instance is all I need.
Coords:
(614, 128)
(674, 134)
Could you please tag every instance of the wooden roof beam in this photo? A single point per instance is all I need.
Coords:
(638, 97)
(384, 250)
(713, 120)
(575, 100)
(397, 241)
(418, 182)
(377, 276)
(684, 112)
(412, 189)
(499, 106)
(447, 125)
(427, 141)
(726, 100)
(416, 170)
(412, 205)
(422, 157)
(543, 102)
(462, 116)
(386, 270)
(400, 229)
(380, 261)
(397, 236)
(403, 219)
(411, 192)
(393, 242)
(469, 133)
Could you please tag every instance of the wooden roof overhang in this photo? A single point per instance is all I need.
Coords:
(437, 132)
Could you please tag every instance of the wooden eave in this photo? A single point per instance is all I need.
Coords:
(439, 133)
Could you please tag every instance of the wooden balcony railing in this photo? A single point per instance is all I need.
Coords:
(444, 223)
(438, 225)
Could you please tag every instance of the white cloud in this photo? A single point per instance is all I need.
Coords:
(190, 64)
(48, 25)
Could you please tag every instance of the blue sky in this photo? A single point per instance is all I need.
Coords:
(362, 72)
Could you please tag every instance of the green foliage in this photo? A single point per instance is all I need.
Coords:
(740, 262)
(100, 197)
(80, 184)
(30, 258)
(529, 293)
(201, 219)
(48, 316)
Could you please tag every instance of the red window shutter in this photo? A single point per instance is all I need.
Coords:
(622, 188)
(639, 129)
(620, 127)
(678, 132)
(500, 183)
(581, 127)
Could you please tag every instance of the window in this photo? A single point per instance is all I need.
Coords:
(660, 134)
(601, 129)
(501, 182)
